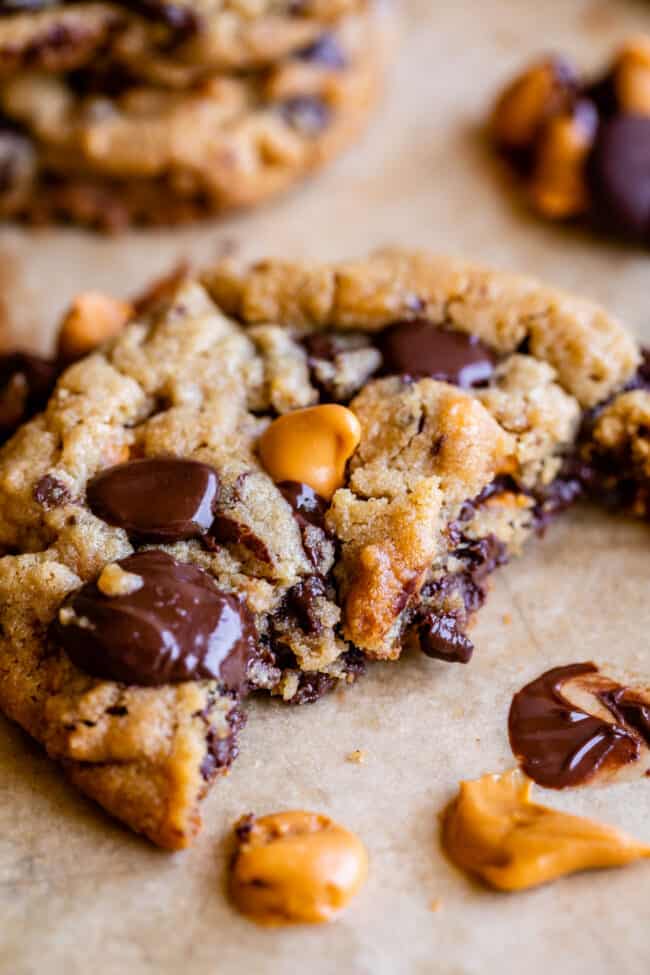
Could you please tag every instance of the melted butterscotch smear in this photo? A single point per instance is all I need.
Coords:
(494, 831)
(574, 725)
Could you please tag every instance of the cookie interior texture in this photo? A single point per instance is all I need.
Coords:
(452, 475)
(108, 143)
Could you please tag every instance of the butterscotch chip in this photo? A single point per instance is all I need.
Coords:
(295, 867)
(558, 187)
(631, 76)
(494, 831)
(532, 98)
(92, 319)
(311, 446)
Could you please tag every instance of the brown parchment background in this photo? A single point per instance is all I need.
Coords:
(79, 895)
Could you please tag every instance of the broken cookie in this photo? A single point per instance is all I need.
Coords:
(255, 486)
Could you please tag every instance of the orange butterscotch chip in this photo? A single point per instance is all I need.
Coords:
(92, 318)
(541, 91)
(311, 446)
(631, 76)
(494, 831)
(295, 867)
(558, 188)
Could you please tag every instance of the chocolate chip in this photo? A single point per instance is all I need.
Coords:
(418, 349)
(619, 176)
(322, 345)
(23, 6)
(222, 751)
(228, 531)
(300, 602)
(176, 626)
(162, 499)
(26, 382)
(309, 511)
(51, 493)
(442, 638)
(307, 505)
(307, 114)
(326, 50)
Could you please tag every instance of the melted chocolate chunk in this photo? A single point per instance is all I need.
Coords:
(441, 637)
(559, 745)
(300, 602)
(308, 114)
(177, 626)
(419, 349)
(629, 710)
(227, 530)
(309, 510)
(26, 382)
(326, 50)
(181, 20)
(163, 499)
(619, 176)
(222, 752)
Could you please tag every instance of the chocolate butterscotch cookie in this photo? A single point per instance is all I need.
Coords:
(102, 144)
(581, 146)
(272, 475)
(172, 41)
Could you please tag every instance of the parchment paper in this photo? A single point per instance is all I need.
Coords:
(79, 894)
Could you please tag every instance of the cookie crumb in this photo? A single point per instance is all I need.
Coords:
(114, 581)
(435, 904)
(357, 757)
(506, 619)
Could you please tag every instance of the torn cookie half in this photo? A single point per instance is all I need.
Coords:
(271, 475)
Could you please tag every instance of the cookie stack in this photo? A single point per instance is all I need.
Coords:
(160, 112)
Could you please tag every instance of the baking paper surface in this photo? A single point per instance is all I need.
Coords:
(79, 893)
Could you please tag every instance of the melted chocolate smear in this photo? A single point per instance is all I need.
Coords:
(419, 349)
(26, 382)
(556, 743)
(162, 499)
(177, 626)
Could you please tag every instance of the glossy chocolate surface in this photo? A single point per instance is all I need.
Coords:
(176, 626)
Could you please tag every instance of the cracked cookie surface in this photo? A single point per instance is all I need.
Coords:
(450, 478)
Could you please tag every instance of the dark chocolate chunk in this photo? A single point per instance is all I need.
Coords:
(418, 349)
(309, 511)
(177, 626)
(161, 499)
(222, 752)
(322, 345)
(24, 6)
(300, 602)
(26, 382)
(308, 114)
(326, 50)
(441, 637)
(559, 745)
(619, 176)
(226, 530)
